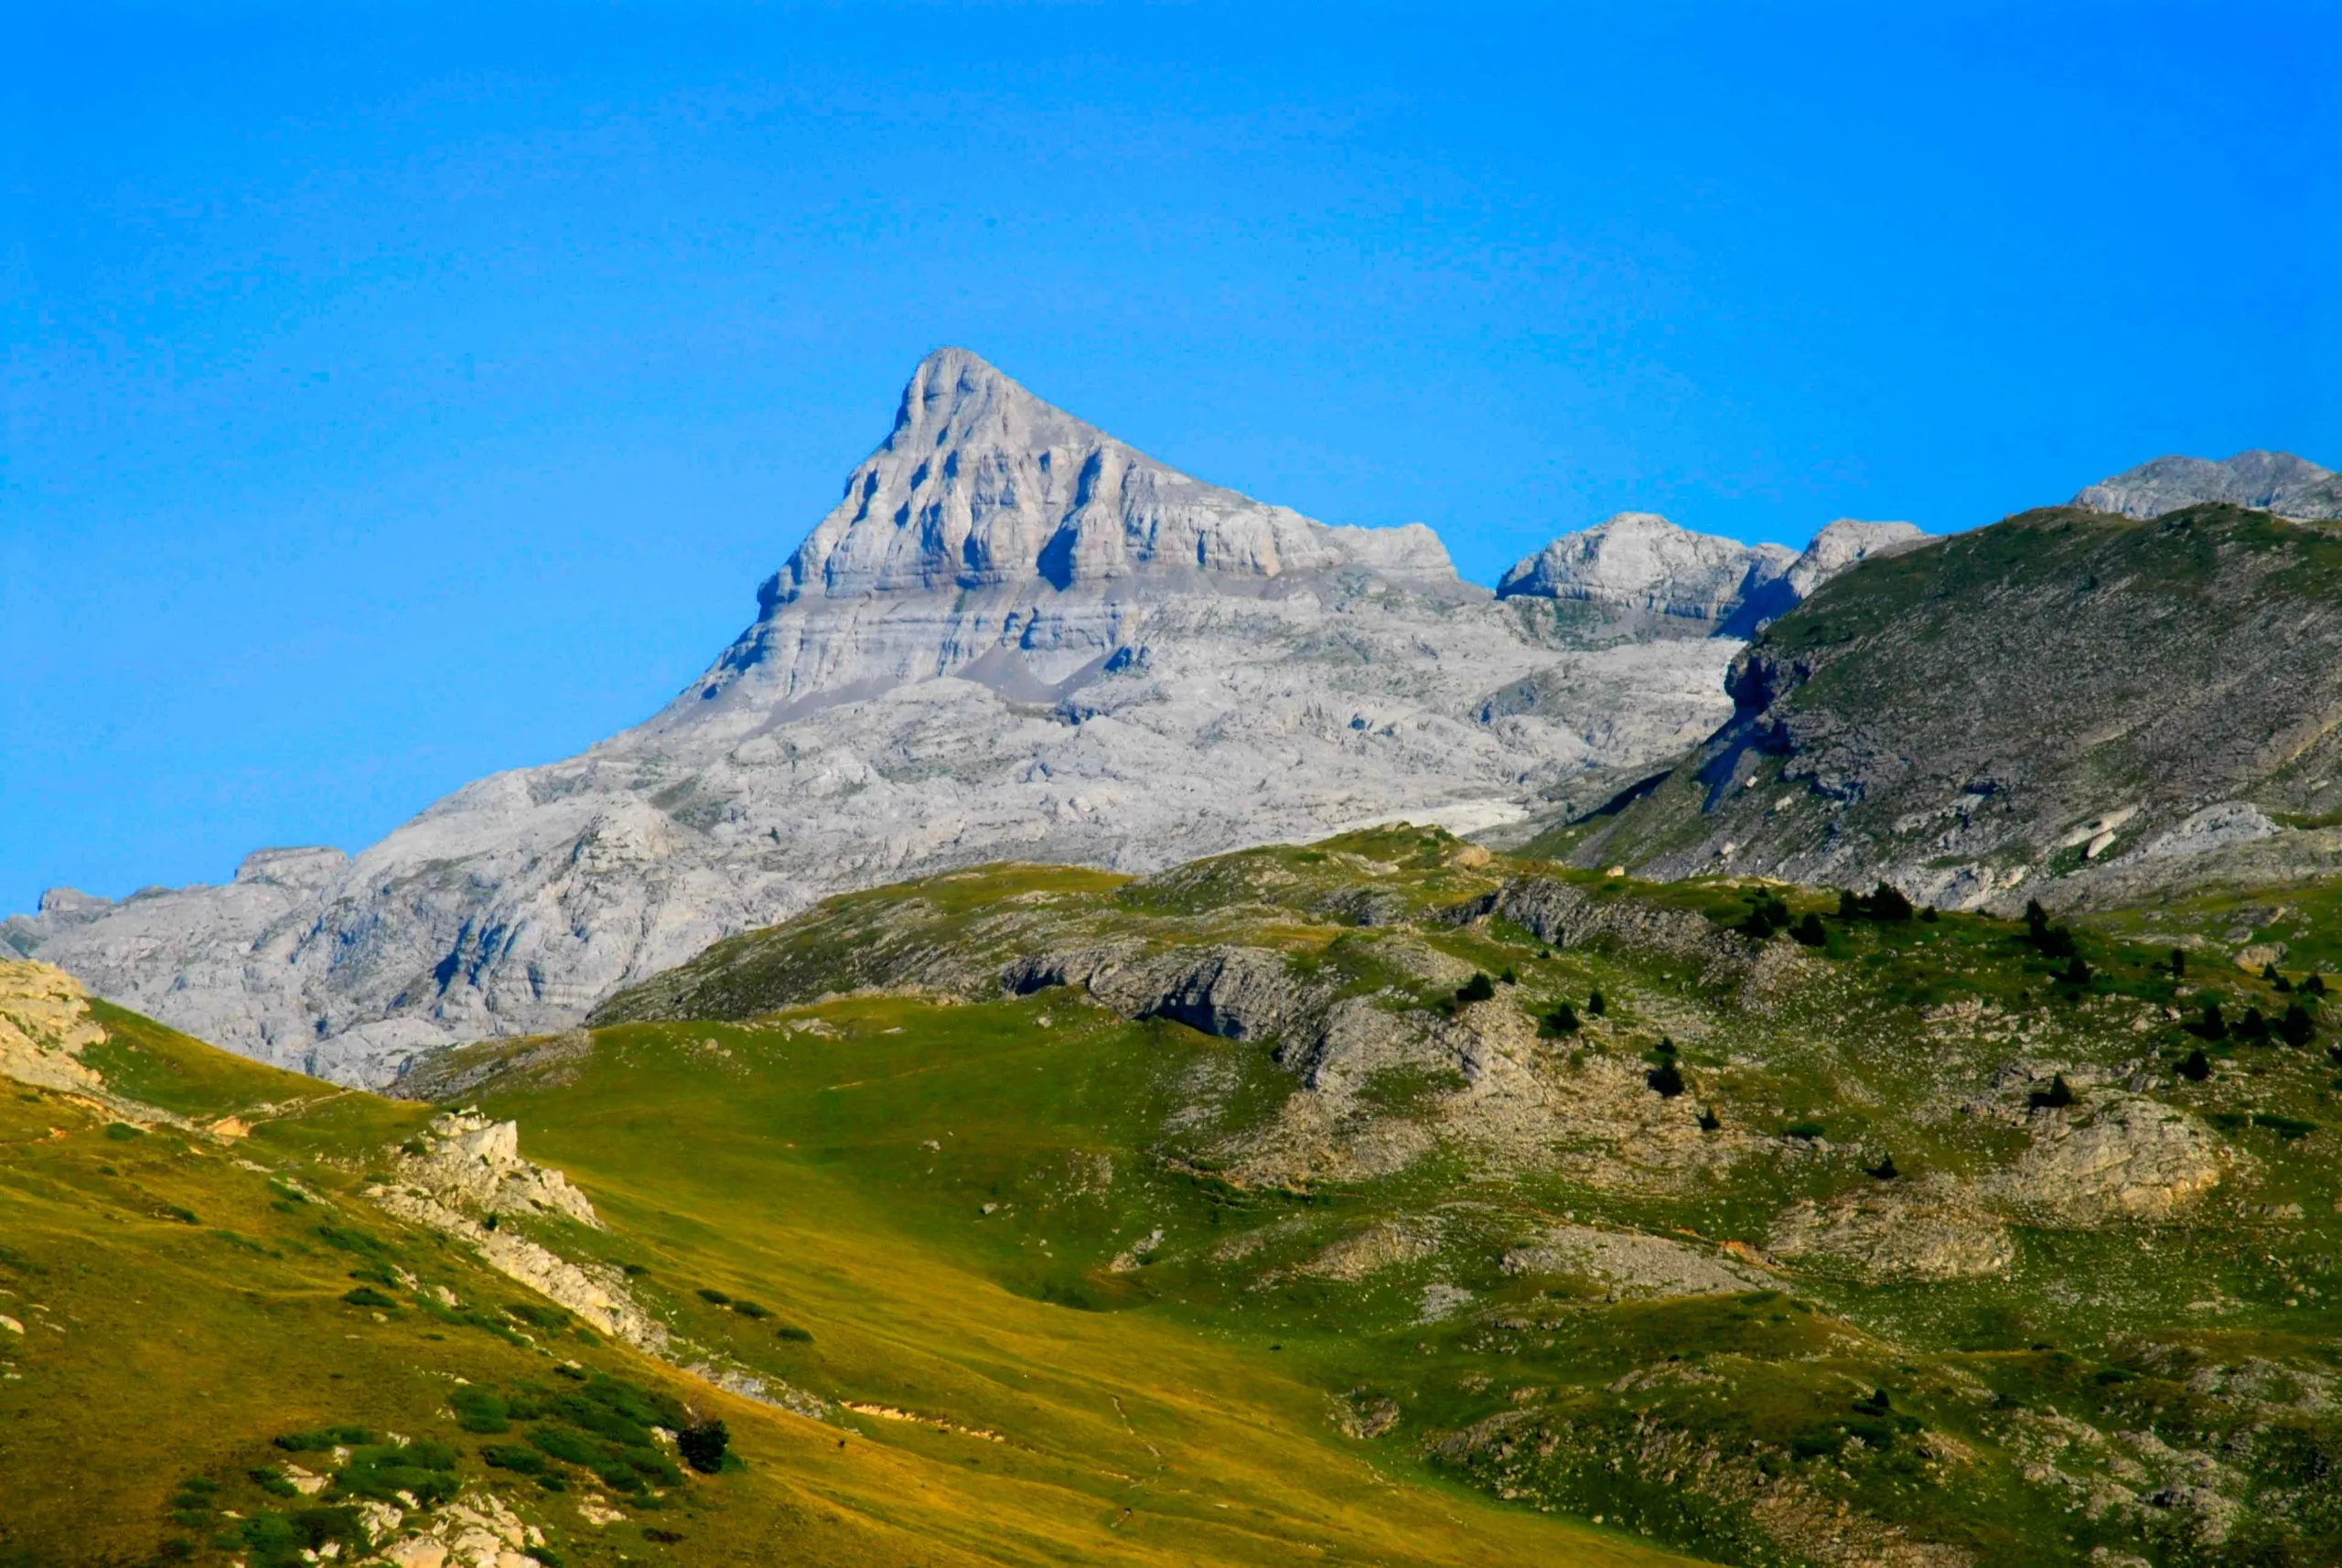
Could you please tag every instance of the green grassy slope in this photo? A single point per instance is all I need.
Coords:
(2050, 1403)
(207, 1325)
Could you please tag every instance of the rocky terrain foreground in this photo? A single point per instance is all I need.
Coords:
(1385, 1199)
(1014, 636)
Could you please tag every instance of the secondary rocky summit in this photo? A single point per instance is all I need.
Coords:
(1014, 636)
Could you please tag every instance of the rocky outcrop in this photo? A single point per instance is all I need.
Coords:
(2268, 481)
(45, 1025)
(2120, 1157)
(465, 1175)
(1646, 572)
(1900, 1232)
(1632, 1265)
(1638, 574)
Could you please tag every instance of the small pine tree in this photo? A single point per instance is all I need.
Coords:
(1595, 1007)
(1709, 1121)
(2296, 1027)
(2252, 1027)
(702, 1447)
(2269, 971)
(1508, 978)
(1666, 1079)
(2075, 974)
(2315, 984)
(2178, 963)
(1563, 1020)
(1850, 904)
(1887, 902)
(1810, 932)
(2196, 1067)
(2036, 920)
(1884, 1170)
(2214, 1027)
(1479, 988)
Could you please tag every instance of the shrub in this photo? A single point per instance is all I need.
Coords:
(273, 1481)
(714, 1297)
(514, 1457)
(367, 1295)
(123, 1132)
(2296, 1027)
(322, 1438)
(2315, 984)
(1887, 902)
(1884, 1170)
(1767, 915)
(2178, 963)
(539, 1315)
(750, 1309)
(1561, 1020)
(2285, 1127)
(794, 1335)
(702, 1447)
(2075, 974)
(1508, 977)
(2196, 1068)
(1596, 1005)
(1806, 1130)
(2056, 1097)
(1666, 1079)
(1808, 931)
(2252, 1027)
(2212, 1026)
(1709, 1121)
(480, 1409)
(1479, 988)
(422, 1468)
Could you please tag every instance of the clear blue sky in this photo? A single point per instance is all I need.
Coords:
(392, 402)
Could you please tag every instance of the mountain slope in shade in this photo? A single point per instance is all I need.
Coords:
(2070, 705)
(2266, 481)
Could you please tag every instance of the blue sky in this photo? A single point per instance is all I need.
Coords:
(394, 400)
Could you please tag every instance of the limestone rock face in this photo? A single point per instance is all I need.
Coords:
(1843, 544)
(45, 1024)
(2267, 481)
(1637, 574)
(1640, 566)
(1014, 638)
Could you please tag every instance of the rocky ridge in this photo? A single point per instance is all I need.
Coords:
(2267, 481)
(1014, 636)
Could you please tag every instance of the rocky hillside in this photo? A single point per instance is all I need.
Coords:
(2070, 705)
(2268, 481)
(1014, 636)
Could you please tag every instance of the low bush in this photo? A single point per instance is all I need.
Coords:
(514, 1457)
(750, 1309)
(325, 1437)
(714, 1297)
(702, 1447)
(1809, 1131)
(367, 1295)
(1479, 988)
(794, 1335)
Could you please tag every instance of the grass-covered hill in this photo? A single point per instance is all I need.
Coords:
(2069, 703)
(247, 1317)
(1382, 1200)
(1785, 1227)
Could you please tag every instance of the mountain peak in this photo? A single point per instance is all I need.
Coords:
(982, 485)
(2267, 481)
